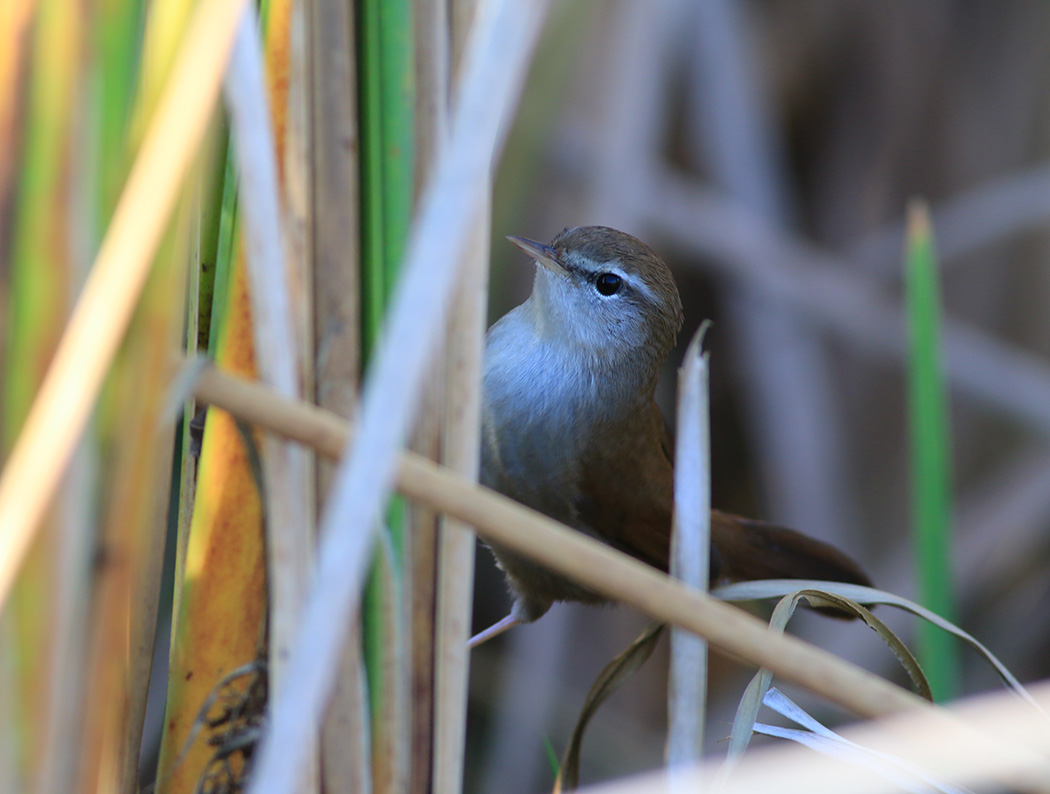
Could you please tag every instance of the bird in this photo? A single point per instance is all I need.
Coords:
(570, 426)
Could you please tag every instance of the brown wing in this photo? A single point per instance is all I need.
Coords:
(626, 495)
(627, 499)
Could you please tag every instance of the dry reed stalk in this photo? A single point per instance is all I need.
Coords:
(690, 555)
(613, 573)
(1017, 760)
(277, 301)
(288, 46)
(420, 589)
(102, 313)
(433, 77)
(335, 219)
(285, 473)
(294, 160)
(334, 252)
(430, 116)
(455, 583)
(456, 549)
(390, 721)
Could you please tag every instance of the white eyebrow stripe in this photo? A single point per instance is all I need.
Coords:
(631, 280)
(640, 285)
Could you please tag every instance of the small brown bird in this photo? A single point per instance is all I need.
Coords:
(570, 427)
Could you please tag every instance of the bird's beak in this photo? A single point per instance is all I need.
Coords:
(542, 253)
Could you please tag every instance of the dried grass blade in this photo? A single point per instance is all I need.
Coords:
(991, 741)
(822, 598)
(775, 588)
(817, 737)
(101, 316)
(609, 680)
(755, 694)
(690, 555)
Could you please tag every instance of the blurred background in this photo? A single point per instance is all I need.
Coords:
(768, 150)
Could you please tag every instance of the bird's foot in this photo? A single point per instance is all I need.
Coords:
(492, 631)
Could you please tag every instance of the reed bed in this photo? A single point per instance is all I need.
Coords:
(229, 230)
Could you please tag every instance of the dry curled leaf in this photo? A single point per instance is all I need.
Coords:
(751, 701)
(609, 680)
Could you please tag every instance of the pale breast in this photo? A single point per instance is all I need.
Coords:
(532, 418)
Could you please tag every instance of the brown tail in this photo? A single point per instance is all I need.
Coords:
(744, 550)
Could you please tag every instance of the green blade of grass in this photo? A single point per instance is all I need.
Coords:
(386, 125)
(386, 94)
(930, 445)
(225, 253)
(397, 79)
(213, 197)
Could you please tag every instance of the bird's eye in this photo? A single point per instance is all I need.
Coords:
(608, 283)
